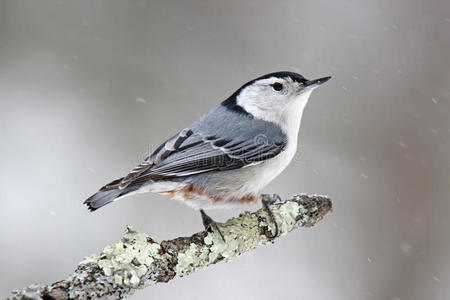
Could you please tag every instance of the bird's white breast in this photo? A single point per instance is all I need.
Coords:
(289, 121)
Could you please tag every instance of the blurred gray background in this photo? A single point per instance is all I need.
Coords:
(88, 88)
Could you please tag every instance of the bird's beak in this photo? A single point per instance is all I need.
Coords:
(312, 84)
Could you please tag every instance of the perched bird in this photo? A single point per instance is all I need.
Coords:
(228, 155)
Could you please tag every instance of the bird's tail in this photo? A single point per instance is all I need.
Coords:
(108, 194)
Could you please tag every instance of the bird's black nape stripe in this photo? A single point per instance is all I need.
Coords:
(231, 103)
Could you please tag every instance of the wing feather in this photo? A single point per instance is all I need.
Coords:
(218, 141)
(205, 155)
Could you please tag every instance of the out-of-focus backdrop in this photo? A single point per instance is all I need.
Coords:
(87, 88)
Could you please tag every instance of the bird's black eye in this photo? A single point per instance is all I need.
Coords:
(277, 86)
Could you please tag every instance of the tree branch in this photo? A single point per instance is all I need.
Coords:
(137, 260)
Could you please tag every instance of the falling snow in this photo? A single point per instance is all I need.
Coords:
(141, 100)
(406, 247)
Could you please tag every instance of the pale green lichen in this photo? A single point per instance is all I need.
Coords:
(285, 215)
(118, 279)
(127, 260)
(187, 261)
(241, 234)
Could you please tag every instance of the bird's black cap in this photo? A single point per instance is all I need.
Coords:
(282, 74)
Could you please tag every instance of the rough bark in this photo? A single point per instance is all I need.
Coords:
(138, 261)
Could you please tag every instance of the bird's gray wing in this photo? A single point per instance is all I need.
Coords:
(201, 154)
(190, 153)
(220, 140)
(159, 154)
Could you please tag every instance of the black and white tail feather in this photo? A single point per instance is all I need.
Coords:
(108, 194)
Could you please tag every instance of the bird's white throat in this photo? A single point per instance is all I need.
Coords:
(288, 118)
(292, 116)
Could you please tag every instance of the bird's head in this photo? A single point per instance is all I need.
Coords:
(273, 93)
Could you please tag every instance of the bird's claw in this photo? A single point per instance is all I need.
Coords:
(266, 201)
(210, 224)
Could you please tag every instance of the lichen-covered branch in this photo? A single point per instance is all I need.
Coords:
(137, 260)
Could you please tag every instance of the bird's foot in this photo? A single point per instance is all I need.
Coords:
(266, 200)
(210, 224)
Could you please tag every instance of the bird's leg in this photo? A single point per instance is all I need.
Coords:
(266, 200)
(210, 224)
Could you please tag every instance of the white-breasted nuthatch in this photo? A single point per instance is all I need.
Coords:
(228, 155)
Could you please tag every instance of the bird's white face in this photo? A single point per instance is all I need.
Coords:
(269, 94)
(269, 98)
(278, 99)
